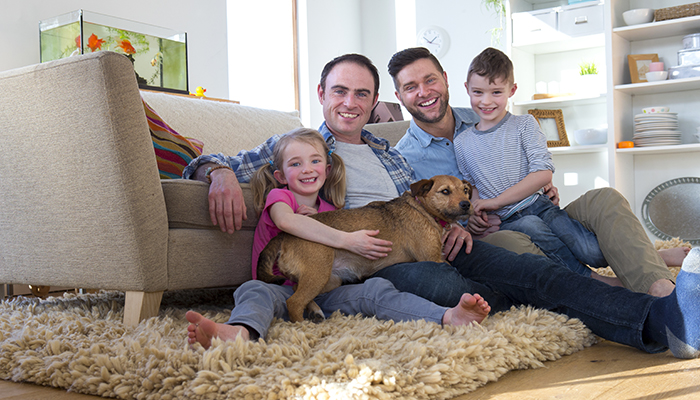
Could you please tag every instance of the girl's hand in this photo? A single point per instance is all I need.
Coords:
(306, 210)
(363, 243)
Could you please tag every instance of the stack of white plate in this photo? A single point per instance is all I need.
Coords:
(656, 129)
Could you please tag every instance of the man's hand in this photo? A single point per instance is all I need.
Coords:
(453, 240)
(552, 192)
(482, 226)
(226, 204)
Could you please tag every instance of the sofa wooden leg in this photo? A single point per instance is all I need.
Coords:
(141, 305)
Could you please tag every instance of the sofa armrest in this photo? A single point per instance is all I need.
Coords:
(80, 198)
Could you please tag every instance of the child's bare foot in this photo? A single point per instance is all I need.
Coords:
(674, 257)
(202, 330)
(470, 309)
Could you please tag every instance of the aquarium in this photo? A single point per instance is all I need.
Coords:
(159, 55)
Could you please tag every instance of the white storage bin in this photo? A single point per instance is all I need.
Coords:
(534, 27)
(581, 19)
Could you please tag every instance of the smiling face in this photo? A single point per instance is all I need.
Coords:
(489, 99)
(348, 99)
(303, 170)
(423, 90)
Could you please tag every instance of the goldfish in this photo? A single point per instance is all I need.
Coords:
(94, 43)
(127, 47)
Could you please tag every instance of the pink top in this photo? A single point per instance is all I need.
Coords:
(267, 229)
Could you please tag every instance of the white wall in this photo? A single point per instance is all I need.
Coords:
(467, 23)
(204, 22)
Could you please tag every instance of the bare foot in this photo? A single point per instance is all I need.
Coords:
(202, 330)
(661, 288)
(610, 280)
(470, 309)
(674, 257)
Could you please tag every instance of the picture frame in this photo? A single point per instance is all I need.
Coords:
(552, 124)
(639, 66)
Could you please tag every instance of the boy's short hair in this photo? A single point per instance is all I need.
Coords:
(492, 64)
(407, 57)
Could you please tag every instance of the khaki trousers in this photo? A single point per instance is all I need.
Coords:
(621, 237)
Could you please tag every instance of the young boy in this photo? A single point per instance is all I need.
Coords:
(505, 157)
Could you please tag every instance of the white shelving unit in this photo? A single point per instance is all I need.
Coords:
(636, 171)
(555, 57)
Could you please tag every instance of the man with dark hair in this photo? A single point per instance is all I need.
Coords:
(422, 87)
(502, 277)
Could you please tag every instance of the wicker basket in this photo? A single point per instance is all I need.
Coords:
(687, 10)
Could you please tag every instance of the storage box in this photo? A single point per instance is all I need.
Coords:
(684, 71)
(687, 10)
(535, 27)
(582, 20)
(159, 55)
(689, 57)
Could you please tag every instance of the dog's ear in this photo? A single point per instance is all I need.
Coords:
(421, 187)
(469, 188)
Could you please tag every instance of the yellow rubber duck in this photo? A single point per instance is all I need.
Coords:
(199, 92)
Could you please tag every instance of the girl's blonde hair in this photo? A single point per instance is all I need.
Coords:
(264, 180)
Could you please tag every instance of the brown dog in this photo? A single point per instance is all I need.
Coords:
(414, 222)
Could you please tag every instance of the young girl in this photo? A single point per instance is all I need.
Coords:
(285, 192)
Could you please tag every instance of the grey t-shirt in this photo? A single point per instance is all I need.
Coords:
(367, 179)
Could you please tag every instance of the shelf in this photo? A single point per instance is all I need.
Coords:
(661, 29)
(669, 85)
(563, 101)
(561, 45)
(595, 148)
(680, 148)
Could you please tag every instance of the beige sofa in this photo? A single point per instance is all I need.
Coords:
(81, 201)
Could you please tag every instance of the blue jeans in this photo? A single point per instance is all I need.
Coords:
(505, 279)
(559, 236)
(257, 303)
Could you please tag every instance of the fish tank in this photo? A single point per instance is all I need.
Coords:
(159, 55)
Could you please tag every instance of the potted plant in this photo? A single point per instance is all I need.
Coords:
(589, 80)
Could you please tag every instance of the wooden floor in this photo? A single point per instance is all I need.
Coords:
(604, 371)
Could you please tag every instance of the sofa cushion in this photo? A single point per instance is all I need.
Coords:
(173, 151)
(391, 131)
(224, 127)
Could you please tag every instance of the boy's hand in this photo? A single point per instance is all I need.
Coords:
(365, 244)
(483, 205)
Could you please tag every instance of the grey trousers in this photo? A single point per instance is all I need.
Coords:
(258, 303)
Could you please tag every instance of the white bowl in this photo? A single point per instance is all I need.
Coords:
(638, 16)
(657, 76)
(658, 109)
(591, 136)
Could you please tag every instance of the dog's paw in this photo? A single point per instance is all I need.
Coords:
(316, 317)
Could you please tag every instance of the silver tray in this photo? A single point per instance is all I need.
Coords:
(672, 210)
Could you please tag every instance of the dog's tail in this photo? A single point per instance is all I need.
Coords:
(267, 260)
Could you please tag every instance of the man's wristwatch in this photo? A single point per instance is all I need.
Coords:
(209, 170)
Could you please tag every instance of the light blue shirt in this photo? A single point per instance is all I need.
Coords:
(430, 155)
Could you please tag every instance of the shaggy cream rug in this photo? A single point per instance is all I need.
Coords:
(77, 342)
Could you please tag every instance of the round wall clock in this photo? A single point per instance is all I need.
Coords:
(434, 39)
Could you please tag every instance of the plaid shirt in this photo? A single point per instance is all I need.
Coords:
(246, 163)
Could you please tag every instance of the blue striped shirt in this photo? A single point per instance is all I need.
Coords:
(498, 158)
(245, 163)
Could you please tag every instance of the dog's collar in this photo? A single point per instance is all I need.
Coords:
(442, 222)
